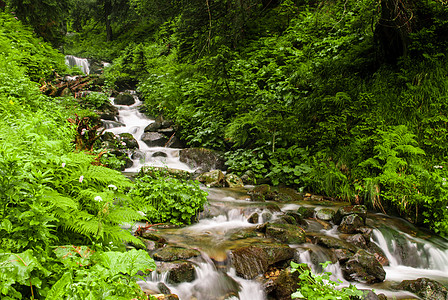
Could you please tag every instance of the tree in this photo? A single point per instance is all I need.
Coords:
(47, 17)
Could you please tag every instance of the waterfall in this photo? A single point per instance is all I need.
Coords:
(82, 63)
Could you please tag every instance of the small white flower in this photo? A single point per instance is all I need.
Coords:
(123, 143)
(142, 213)
(98, 198)
(83, 131)
(81, 178)
(443, 179)
(438, 167)
(112, 187)
(63, 165)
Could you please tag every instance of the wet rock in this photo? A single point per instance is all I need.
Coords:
(153, 127)
(138, 155)
(159, 154)
(175, 253)
(360, 210)
(168, 132)
(325, 214)
(124, 99)
(335, 243)
(253, 218)
(266, 216)
(163, 288)
(250, 261)
(248, 177)
(129, 141)
(108, 112)
(297, 217)
(425, 288)
(203, 159)
(213, 178)
(286, 233)
(181, 272)
(261, 193)
(232, 181)
(239, 234)
(378, 253)
(154, 139)
(370, 295)
(285, 219)
(174, 142)
(358, 240)
(282, 286)
(150, 235)
(272, 207)
(350, 223)
(166, 297)
(363, 267)
(343, 255)
(306, 212)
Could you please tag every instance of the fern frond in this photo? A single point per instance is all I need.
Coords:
(104, 176)
(121, 215)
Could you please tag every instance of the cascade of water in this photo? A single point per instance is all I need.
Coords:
(132, 121)
(210, 283)
(73, 61)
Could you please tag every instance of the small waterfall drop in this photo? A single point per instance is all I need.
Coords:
(131, 120)
(82, 63)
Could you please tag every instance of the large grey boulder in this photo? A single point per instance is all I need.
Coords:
(154, 139)
(124, 99)
(203, 159)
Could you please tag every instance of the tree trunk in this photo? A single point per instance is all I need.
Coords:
(107, 13)
(393, 29)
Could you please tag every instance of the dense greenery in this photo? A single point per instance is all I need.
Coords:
(343, 98)
(320, 286)
(61, 211)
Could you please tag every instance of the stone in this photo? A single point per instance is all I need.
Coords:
(159, 154)
(166, 131)
(342, 255)
(334, 243)
(360, 210)
(325, 214)
(202, 159)
(233, 181)
(282, 286)
(129, 141)
(363, 267)
(214, 178)
(286, 233)
(175, 253)
(124, 99)
(242, 233)
(253, 218)
(350, 223)
(358, 240)
(163, 288)
(425, 288)
(181, 272)
(250, 261)
(306, 212)
(154, 139)
(261, 193)
(153, 127)
(174, 142)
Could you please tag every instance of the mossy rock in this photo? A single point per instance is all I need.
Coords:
(175, 253)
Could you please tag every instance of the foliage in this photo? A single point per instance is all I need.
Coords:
(38, 59)
(319, 286)
(163, 198)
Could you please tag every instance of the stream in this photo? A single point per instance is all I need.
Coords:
(411, 252)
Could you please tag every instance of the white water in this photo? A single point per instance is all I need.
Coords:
(82, 63)
(134, 122)
(210, 283)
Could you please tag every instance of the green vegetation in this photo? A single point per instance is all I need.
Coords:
(163, 198)
(320, 286)
(345, 99)
(60, 211)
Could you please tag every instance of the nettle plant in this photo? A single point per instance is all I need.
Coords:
(163, 198)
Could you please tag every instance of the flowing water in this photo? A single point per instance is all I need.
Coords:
(412, 253)
(82, 63)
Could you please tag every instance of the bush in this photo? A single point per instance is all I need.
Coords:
(163, 198)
